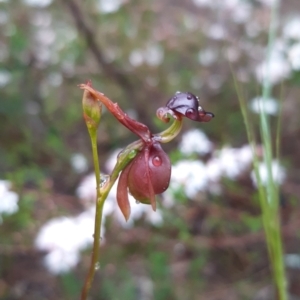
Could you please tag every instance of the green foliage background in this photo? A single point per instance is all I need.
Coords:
(138, 55)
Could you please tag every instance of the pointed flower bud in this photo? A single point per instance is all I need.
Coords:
(92, 109)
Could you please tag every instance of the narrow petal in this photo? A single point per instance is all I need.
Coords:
(122, 193)
(136, 127)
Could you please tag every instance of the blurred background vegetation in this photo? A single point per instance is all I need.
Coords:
(140, 53)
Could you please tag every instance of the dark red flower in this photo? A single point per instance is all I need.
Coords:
(146, 176)
(187, 104)
(149, 172)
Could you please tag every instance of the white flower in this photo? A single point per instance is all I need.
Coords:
(291, 28)
(241, 12)
(8, 199)
(294, 56)
(195, 141)
(278, 173)
(136, 57)
(214, 169)
(215, 32)
(79, 163)
(153, 55)
(275, 70)
(195, 176)
(269, 105)
(232, 161)
(109, 6)
(203, 3)
(5, 78)
(207, 56)
(189, 175)
(112, 160)
(269, 3)
(292, 260)
(41, 3)
(58, 261)
(86, 190)
(64, 237)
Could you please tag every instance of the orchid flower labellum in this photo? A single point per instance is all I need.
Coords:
(184, 105)
(147, 175)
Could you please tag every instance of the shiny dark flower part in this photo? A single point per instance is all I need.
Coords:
(146, 176)
(187, 104)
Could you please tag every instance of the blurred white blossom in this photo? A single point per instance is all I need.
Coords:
(41, 3)
(292, 260)
(193, 176)
(215, 32)
(63, 238)
(278, 173)
(195, 141)
(3, 17)
(8, 199)
(109, 6)
(291, 28)
(45, 36)
(275, 70)
(202, 3)
(208, 56)
(294, 56)
(86, 191)
(231, 161)
(268, 3)
(151, 55)
(58, 261)
(5, 78)
(112, 160)
(136, 57)
(79, 163)
(241, 12)
(55, 79)
(189, 175)
(269, 105)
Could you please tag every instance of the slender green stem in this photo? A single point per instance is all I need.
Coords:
(272, 187)
(102, 192)
(98, 219)
(170, 133)
(269, 194)
(261, 189)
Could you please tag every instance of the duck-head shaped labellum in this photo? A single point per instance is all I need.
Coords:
(146, 176)
(187, 104)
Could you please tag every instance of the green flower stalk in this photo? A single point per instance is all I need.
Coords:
(92, 110)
